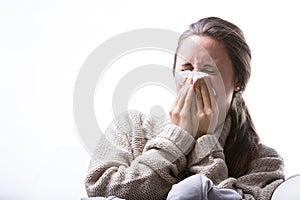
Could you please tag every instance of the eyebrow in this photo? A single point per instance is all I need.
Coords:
(187, 63)
(205, 65)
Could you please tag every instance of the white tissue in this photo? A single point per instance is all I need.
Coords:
(182, 76)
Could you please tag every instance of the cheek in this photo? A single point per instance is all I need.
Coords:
(229, 89)
(229, 94)
(224, 91)
(178, 63)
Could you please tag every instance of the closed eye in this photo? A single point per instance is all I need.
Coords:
(208, 68)
(187, 66)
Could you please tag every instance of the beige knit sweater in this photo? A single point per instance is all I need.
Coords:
(141, 158)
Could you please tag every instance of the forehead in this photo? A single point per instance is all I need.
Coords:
(204, 49)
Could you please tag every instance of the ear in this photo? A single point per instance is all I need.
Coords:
(237, 86)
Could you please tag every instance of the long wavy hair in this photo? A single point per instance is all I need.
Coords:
(241, 145)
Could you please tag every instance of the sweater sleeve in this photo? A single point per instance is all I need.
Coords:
(264, 175)
(129, 163)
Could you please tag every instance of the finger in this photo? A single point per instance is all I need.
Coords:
(212, 105)
(189, 99)
(199, 104)
(185, 113)
(194, 108)
(212, 94)
(194, 115)
(179, 102)
(205, 94)
(182, 95)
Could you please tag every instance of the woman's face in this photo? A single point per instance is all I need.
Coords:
(205, 54)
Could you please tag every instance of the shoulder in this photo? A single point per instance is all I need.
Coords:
(131, 119)
(127, 121)
(133, 123)
(268, 160)
(266, 151)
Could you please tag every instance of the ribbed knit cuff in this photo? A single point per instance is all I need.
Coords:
(174, 144)
(181, 138)
(172, 137)
(204, 146)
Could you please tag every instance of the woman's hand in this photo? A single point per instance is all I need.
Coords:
(206, 106)
(181, 113)
(195, 110)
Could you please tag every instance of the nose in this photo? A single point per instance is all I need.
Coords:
(190, 80)
(195, 69)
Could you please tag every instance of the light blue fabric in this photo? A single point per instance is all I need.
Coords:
(102, 198)
(199, 187)
(196, 187)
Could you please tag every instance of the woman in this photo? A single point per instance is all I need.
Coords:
(141, 158)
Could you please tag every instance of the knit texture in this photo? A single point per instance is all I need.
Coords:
(140, 157)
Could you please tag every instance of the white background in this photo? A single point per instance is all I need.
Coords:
(44, 43)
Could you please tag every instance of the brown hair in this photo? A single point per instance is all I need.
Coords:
(242, 143)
